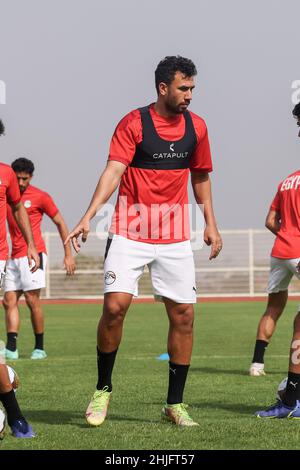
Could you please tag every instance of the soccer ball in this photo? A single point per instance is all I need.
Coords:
(2, 424)
(281, 388)
(13, 377)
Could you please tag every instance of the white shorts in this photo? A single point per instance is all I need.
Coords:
(281, 273)
(19, 277)
(171, 267)
(2, 272)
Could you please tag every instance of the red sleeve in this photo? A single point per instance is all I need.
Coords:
(13, 191)
(48, 206)
(127, 135)
(201, 158)
(275, 206)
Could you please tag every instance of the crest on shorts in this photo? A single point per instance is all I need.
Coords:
(109, 277)
(27, 204)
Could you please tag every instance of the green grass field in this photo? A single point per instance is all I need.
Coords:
(54, 392)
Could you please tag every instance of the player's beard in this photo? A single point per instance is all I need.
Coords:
(175, 108)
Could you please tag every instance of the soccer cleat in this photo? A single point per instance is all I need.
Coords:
(177, 414)
(256, 369)
(20, 428)
(97, 409)
(11, 355)
(2, 424)
(38, 354)
(280, 410)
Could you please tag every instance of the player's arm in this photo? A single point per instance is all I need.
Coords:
(273, 221)
(69, 261)
(22, 219)
(202, 192)
(107, 184)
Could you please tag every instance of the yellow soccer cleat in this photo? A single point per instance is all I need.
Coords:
(177, 414)
(97, 410)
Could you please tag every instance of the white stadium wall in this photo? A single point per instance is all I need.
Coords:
(241, 269)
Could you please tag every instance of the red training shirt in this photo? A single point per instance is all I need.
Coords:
(37, 203)
(287, 204)
(9, 194)
(153, 186)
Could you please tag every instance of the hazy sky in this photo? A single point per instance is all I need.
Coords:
(73, 68)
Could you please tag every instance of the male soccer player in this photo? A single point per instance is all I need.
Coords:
(289, 242)
(10, 193)
(152, 153)
(19, 279)
(283, 220)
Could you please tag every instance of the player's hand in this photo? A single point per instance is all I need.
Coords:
(69, 265)
(213, 238)
(83, 229)
(33, 258)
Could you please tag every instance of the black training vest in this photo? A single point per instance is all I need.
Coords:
(154, 153)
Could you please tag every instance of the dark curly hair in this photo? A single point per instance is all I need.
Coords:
(2, 127)
(296, 110)
(23, 165)
(167, 68)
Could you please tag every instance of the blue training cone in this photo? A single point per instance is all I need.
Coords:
(163, 357)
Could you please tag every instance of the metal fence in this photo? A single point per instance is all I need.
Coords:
(240, 270)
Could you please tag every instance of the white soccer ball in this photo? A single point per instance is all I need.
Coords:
(281, 388)
(13, 377)
(2, 424)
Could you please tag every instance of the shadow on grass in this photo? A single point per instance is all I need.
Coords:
(122, 419)
(132, 419)
(236, 408)
(55, 417)
(52, 416)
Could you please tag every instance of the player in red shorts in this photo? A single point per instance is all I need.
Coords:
(19, 279)
(10, 194)
(152, 154)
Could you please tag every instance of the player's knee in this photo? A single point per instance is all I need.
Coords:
(276, 304)
(184, 318)
(31, 300)
(8, 302)
(5, 385)
(114, 312)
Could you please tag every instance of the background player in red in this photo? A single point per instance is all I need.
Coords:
(287, 229)
(283, 220)
(19, 279)
(10, 194)
(153, 151)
